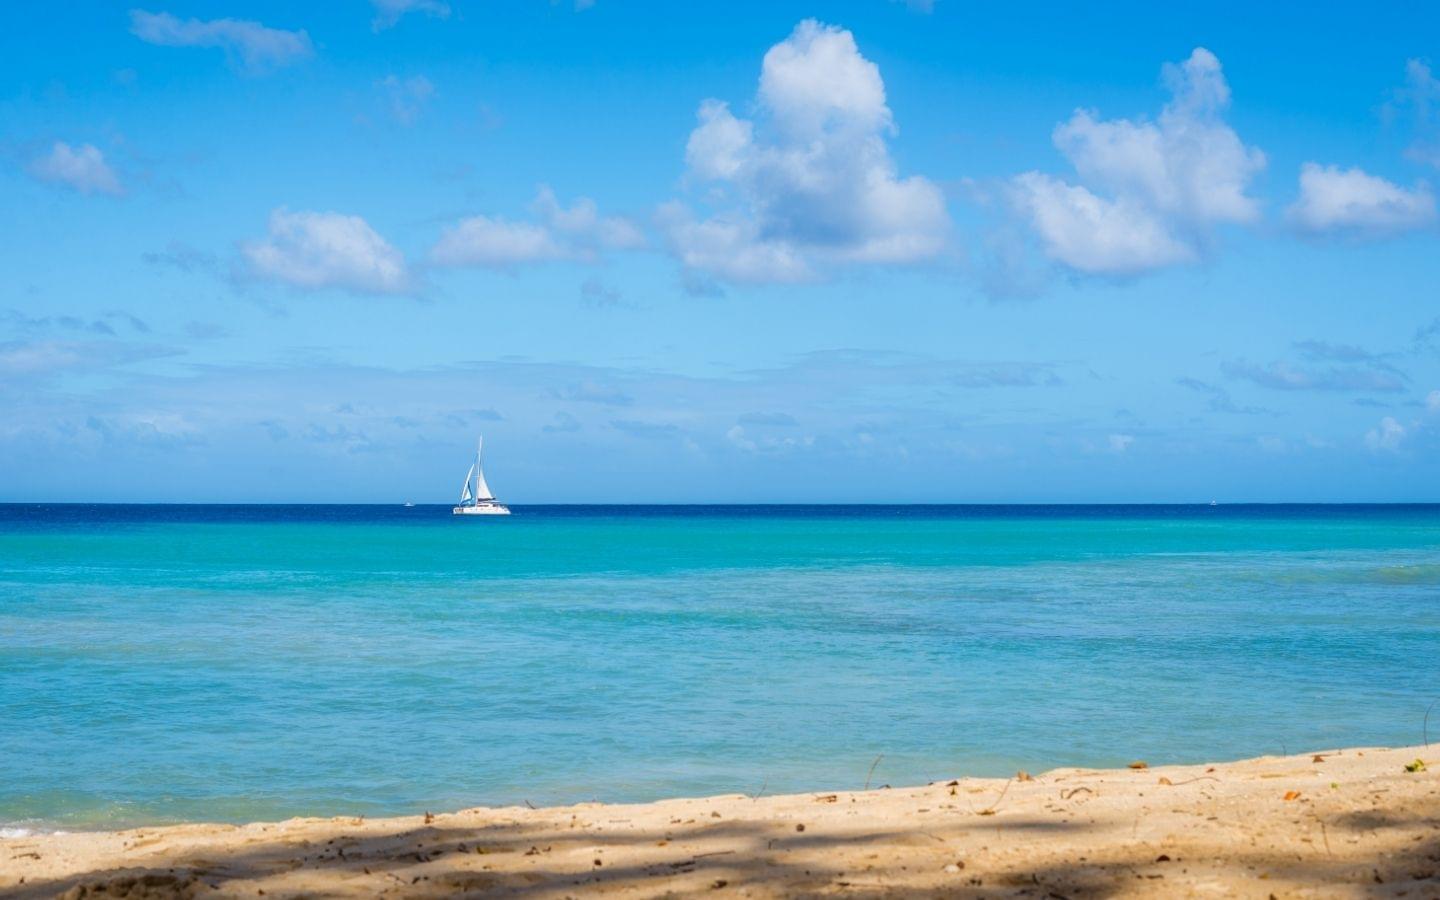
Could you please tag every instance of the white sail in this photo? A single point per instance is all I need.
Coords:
(465, 495)
(482, 490)
(475, 497)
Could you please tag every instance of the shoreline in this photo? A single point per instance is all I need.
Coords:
(1350, 822)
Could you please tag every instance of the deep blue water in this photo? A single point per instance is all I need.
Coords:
(242, 662)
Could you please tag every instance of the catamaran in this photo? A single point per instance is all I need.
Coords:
(475, 497)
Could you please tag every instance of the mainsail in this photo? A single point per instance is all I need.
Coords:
(482, 490)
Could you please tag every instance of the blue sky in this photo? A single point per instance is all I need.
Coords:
(871, 251)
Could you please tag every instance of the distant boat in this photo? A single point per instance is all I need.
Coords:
(475, 497)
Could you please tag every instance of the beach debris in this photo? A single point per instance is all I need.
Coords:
(1164, 780)
(872, 771)
(1023, 775)
(1291, 795)
(1317, 758)
(1417, 766)
(955, 866)
(799, 826)
(1139, 764)
(827, 798)
(718, 883)
(1162, 858)
(429, 817)
(1067, 794)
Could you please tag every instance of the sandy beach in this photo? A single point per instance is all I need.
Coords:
(1342, 823)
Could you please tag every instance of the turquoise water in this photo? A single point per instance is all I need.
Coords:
(236, 663)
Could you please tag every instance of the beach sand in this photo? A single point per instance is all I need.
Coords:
(1344, 823)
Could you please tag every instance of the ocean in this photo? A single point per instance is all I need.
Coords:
(167, 663)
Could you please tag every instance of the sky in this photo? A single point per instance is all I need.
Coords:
(874, 251)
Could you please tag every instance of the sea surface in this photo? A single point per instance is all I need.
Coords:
(163, 663)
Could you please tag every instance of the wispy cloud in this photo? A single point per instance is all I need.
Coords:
(105, 324)
(1418, 102)
(1287, 377)
(406, 97)
(389, 12)
(52, 357)
(251, 47)
(1219, 399)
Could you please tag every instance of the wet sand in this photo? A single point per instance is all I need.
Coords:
(1344, 823)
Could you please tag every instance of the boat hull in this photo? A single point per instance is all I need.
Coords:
(483, 509)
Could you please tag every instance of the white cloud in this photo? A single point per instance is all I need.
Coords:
(1091, 234)
(255, 47)
(577, 232)
(1351, 201)
(389, 12)
(82, 168)
(808, 182)
(494, 242)
(1387, 436)
(326, 249)
(1150, 193)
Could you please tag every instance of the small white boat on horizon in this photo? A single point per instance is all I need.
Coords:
(475, 497)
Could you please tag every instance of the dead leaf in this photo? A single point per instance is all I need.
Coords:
(1292, 795)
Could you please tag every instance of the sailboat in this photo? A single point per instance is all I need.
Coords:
(475, 497)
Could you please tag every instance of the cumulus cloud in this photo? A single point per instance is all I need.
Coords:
(1091, 234)
(1350, 201)
(81, 168)
(1149, 194)
(389, 12)
(577, 232)
(1385, 437)
(251, 46)
(809, 181)
(326, 249)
